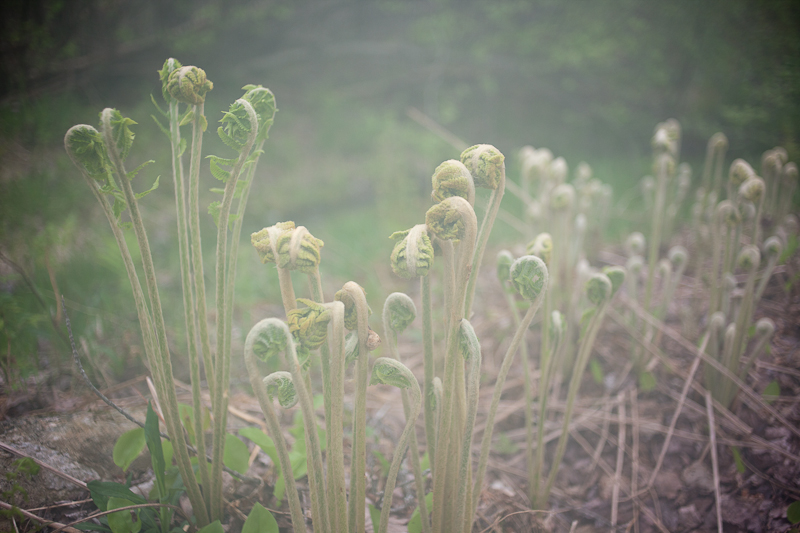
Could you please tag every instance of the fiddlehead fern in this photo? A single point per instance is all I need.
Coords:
(280, 384)
(188, 85)
(452, 178)
(412, 255)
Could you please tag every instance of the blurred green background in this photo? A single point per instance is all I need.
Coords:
(587, 79)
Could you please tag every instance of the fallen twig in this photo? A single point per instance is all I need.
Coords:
(714, 463)
(46, 466)
(31, 516)
(620, 458)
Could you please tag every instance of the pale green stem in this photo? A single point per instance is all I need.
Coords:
(397, 459)
(761, 342)
(762, 284)
(486, 440)
(545, 383)
(169, 401)
(447, 422)
(757, 221)
(743, 321)
(316, 479)
(188, 297)
(197, 250)
(223, 359)
(359, 456)
(391, 337)
(334, 424)
(446, 417)
(427, 344)
(233, 252)
(731, 248)
(585, 350)
(483, 237)
(464, 509)
(287, 289)
(274, 429)
(315, 284)
(716, 278)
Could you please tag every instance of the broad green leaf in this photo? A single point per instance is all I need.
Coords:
(647, 381)
(166, 447)
(425, 462)
(153, 440)
(793, 512)
(260, 521)
(415, 524)
(299, 463)
(102, 491)
(236, 454)
(128, 447)
(263, 441)
(122, 521)
(280, 488)
(771, 392)
(737, 459)
(213, 527)
(375, 516)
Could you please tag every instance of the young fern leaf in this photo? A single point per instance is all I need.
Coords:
(132, 174)
(121, 133)
(148, 191)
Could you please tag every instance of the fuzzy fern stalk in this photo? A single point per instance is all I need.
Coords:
(470, 350)
(529, 276)
(789, 179)
(726, 223)
(387, 371)
(451, 219)
(599, 290)
(504, 261)
(772, 250)
(175, 89)
(664, 168)
(265, 341)
(357, 313)
(189, 85)
(118, 138)
(399, 312)
(84, 145)
(411, 257)
(748, 261)
(239, 131)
